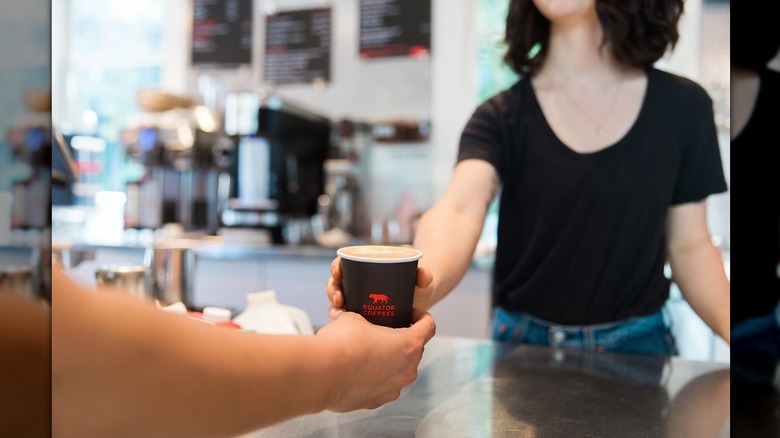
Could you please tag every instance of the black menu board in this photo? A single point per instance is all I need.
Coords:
(297, 46)
(395, 28)
(222, 32)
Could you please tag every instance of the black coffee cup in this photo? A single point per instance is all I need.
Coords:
(378, 282)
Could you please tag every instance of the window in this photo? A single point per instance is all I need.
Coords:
(110, 49)
(493, 75)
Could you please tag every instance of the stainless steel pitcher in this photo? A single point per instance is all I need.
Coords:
(127, 278)
(170, 274)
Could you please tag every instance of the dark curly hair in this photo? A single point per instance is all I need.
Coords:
(641, 32)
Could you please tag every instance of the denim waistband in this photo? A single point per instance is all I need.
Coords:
(637, 320)
(530, 329)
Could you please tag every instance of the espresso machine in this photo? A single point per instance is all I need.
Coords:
(174, 160)
(277, 176)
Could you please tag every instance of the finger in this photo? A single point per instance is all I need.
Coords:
(334, 312)
(338, 299)
(335, 296)
(335, 269)
(424, 327)
(331, 288)
(424, 278)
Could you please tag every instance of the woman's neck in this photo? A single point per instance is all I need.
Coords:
(576, 55)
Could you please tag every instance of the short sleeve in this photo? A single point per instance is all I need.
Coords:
(701, 172)
(482, 136)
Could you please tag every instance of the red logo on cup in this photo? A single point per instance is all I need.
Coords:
(380, 307)
(379, 298)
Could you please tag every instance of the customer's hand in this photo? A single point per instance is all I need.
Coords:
(422, 290)
(378, 362)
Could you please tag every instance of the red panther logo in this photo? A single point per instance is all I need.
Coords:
(379, 298)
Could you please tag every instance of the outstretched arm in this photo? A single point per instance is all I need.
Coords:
(448, 233)
(120, 366)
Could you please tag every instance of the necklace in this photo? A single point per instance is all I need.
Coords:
(597, 123)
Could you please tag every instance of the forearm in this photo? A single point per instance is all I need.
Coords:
(699, 273)
(281, 377)
(118, 375)
(447, 239)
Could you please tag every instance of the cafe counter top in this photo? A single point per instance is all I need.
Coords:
(479, 388)
(215, 248)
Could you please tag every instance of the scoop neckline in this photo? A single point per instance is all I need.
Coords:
(608, 148)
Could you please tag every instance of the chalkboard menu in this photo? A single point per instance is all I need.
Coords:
(222, 32)
(297, 46)
(395, 28)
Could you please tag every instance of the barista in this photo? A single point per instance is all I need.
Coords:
(604, 164)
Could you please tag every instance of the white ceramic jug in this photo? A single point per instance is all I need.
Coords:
(264, 314)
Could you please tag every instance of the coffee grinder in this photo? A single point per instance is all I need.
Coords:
(176, 152)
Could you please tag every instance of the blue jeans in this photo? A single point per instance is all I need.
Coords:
(647, 335)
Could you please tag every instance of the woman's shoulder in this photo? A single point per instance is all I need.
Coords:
(508, 99)
(683, 91)
(675, 85)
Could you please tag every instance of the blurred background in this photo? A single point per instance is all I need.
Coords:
(254, 124)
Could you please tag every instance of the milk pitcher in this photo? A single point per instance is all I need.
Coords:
(170, 273)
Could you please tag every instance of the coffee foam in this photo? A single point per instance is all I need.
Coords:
(379, 253)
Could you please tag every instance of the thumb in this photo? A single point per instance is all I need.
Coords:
(424, 326)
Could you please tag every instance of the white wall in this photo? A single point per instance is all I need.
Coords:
(454, 81)
(358, 89)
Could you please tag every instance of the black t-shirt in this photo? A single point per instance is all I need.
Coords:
(581, 235)
(757, 240)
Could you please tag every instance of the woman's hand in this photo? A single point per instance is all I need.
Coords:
(376, 362)
(423, 291)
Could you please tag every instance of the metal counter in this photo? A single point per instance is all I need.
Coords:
(479, 388)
